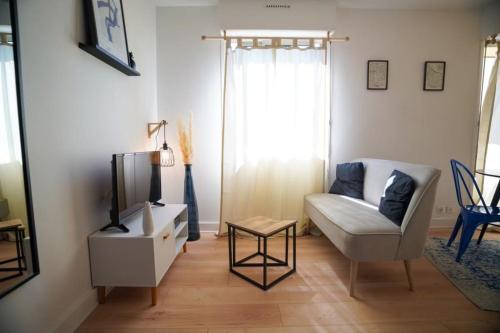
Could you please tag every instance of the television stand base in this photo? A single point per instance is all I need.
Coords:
(159, 204)
(119, 226)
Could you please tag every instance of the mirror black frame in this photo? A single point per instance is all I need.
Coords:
(22, 133)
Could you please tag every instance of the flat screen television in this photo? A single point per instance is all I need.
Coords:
(136, 179)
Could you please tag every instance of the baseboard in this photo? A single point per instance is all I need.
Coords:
(76, 313)
(209, 226)
(443, 222)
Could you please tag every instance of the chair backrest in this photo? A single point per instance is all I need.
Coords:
(418, 215)
(459, 170)
(378, 171)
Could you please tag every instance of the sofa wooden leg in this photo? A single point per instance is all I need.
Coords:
(408, 273)
(354, 274)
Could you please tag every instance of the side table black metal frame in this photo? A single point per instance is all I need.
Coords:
(19, 234)
(265, 264)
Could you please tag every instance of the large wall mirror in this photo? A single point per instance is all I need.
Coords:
(18, 254)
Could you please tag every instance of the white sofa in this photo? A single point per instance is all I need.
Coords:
(361, 232)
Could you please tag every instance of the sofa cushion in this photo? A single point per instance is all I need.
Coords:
(397, 196)
(356, 227)
(349, 181)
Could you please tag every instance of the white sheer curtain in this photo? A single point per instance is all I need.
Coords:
(488, 146)
(10, 149)
(11, 172)
(275, 122)
(492, 161)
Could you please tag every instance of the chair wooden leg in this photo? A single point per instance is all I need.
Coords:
(408, 274)
(354, 274)
(454, 233)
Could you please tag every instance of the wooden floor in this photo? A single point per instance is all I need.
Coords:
(198, 294)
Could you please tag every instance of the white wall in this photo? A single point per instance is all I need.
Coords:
(302, 15)
(78, 112)
(405, 122)
(189, 80)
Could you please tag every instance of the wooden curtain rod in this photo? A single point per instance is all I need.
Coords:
(492, 39)
(330, 39)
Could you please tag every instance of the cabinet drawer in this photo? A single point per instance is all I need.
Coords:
(164, 251)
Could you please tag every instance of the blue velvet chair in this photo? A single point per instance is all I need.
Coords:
(471, 215)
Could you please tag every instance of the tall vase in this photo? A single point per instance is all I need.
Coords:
(190, 200)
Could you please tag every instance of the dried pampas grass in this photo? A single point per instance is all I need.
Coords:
(185, 139)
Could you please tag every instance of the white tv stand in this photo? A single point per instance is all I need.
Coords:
(119, 259)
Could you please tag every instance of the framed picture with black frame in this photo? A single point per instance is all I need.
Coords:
(377, 74)
(434, 74)
(107, 35)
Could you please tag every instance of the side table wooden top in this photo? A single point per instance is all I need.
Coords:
(11, 223)
(262, 226)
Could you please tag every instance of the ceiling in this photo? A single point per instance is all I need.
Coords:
(368, 4)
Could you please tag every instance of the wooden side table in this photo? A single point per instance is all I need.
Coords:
(261, 227)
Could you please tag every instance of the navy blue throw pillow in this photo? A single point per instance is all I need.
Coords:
(396, 197)
(349, 181)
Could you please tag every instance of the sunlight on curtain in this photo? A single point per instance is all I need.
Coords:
(493, 150)
(274, 132)
(10, 149)
(488, 148)
(11, 171)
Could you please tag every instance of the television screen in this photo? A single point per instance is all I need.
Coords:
(136, 179)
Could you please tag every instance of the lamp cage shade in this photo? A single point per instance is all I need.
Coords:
(167, 158)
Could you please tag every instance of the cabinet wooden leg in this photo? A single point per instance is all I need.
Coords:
(154, 296)
(353, 276)
(184, 248)
(101, 295)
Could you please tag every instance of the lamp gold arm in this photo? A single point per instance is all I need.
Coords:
(155, 127)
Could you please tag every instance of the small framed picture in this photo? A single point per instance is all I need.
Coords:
(434, 72)
(377, 74)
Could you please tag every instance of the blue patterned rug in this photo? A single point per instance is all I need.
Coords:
(477, 276)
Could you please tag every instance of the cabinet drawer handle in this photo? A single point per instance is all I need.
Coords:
(166, 236)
